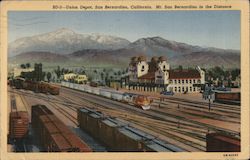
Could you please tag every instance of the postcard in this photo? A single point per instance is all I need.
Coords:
(125, 80)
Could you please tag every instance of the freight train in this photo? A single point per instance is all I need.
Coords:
(227, 97)
(137, 100)
(38, 87)
(18, 121)
(118, 135)
(52, 134)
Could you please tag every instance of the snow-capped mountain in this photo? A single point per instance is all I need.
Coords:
(67, 47)
(65, 41)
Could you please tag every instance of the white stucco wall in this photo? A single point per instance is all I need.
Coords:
(161, 65)
(142, 68)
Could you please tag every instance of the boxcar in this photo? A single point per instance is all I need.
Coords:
(18, 125)
(18, 120)
(117, 135)
(117, 95)
(53, 134)
(227, 97)
(105, 93)
(218, 142)
(18, 82)
(95, 90)
(54, 90)
(43, 87)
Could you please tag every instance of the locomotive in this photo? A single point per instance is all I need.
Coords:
(137, 100)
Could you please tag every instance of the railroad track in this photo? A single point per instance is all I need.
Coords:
(195, 112)
(64, 112)
(107, 109)
(214, 109)
(51, 102)
(149, 113)
(179, 129)
(166, 128)
(133, 119)
(139, 110)
(20, 146)
(213, 105)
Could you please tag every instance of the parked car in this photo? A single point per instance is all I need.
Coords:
(170, 93)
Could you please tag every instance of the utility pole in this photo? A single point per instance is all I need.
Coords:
(209, 98)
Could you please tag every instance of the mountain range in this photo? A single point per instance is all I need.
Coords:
(65, 47)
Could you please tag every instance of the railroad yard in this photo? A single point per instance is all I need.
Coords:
(181, 124)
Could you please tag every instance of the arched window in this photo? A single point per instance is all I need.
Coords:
(142, 68)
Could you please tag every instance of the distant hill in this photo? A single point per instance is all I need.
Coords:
(65, 47)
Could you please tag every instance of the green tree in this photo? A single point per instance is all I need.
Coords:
(102, 76)
(48, 76)
(235, 73)
(23, 66)
(119, 73)
(43, 76)
(180, 67)
(27, 65)
(127, 69)
(95, 73)
(58, 72)
(218, 72)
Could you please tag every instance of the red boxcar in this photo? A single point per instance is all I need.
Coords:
(227, 97)
(53, 134)
(217, 142)
(18, 125)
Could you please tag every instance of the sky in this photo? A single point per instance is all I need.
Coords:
(220, 29)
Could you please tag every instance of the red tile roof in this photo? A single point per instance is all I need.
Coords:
(149, 75)
(184, 74)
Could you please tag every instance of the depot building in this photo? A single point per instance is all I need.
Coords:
(156, 76)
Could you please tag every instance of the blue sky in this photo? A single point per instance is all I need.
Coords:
(219, 29)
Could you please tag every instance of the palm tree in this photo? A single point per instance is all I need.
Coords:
(119, 73)
(95, 71)
(27, 65)
(23, 66)
(58, 72)
(48, 76)
(102, 75)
